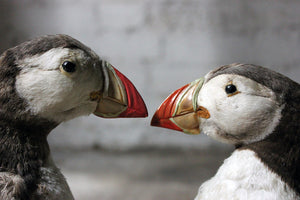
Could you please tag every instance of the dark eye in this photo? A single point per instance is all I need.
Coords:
(230, 89)
(69, 66)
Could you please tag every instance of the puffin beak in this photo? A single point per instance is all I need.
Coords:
(180, 111)
(118, 98)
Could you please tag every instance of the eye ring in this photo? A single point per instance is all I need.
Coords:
(231, 90)
(68, 66)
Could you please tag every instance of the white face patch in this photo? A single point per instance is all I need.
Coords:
(54, 95)
(248, 115)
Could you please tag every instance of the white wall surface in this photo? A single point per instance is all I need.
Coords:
(160, 45)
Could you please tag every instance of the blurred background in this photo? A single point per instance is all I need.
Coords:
(160, 45)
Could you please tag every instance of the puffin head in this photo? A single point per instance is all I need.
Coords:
(57, 78)
(236, 104)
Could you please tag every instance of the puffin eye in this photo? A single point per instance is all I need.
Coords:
(231, 89)
(69, 67)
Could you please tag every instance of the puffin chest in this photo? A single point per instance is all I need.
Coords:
(244, 176)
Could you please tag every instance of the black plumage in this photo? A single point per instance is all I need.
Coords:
(50, 71)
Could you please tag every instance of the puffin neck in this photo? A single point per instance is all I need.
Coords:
(24, 149)
(280, 151)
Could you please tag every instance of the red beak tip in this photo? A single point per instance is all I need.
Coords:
(133, 113)
(136, 105)
(143, 115)
(155, 121)
(164, 123)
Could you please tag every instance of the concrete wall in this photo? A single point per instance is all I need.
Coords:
(160, 45)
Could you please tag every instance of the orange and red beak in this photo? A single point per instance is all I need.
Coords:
(119, 98)
(180, 110)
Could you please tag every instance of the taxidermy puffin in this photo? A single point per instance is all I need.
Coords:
(253, 108)
(44, 82)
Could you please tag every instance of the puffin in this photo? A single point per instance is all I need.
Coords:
(256, 110)
(44, 82)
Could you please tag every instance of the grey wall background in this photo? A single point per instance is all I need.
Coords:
(160, 45)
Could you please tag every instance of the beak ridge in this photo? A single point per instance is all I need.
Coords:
(180, 110)
(166, 110)
(119, 98)
(135, 104)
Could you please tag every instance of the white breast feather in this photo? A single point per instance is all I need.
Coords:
(244, 177)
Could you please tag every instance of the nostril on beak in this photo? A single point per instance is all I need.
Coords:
(95, 96)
